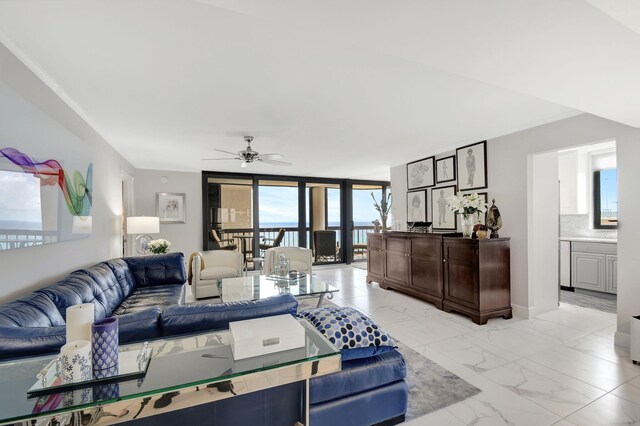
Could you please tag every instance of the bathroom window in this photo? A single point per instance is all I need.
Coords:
(605, 199)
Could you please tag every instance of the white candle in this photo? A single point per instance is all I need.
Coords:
(75, 360)
(79, 320)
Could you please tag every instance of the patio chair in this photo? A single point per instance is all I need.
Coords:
(218, 242)
(324, 243)
(268, 243)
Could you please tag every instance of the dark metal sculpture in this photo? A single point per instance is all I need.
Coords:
(494, 219)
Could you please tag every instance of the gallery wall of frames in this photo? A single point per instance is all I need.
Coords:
(431, 180)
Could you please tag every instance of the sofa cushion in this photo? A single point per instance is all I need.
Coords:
(141, 325)
(123, 275)
(27, 341)
(350, 330)
(196, 318)
(78, 287)
(217, 272)
(295, 265)
(157, 269)
(32, 310)
(161, 296)
(358, 375)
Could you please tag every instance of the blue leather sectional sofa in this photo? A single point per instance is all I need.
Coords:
(144, 293)
(147, 294)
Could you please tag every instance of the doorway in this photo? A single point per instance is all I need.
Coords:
(572, 227)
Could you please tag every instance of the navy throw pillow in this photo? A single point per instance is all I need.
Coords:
(351, 331)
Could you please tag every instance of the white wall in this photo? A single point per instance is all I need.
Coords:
(184, 237)
(507, 176)
(26, 269)
(543, 224)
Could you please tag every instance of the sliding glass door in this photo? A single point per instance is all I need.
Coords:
(254, 212)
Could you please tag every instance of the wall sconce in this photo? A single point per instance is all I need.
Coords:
(143, 226)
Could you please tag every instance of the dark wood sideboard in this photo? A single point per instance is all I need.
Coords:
(468, 276)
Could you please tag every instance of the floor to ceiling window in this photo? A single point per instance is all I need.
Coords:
(278, 213)
(364, 214)
(254, 212)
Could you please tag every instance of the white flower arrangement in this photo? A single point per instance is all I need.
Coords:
(466, 205)
(159, 246)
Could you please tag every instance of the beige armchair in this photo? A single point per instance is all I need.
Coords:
(217, 264)
(300, 259)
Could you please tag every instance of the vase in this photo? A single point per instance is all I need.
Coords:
(467, 225)
(104, 346)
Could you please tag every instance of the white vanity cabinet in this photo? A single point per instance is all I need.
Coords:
(594, 266)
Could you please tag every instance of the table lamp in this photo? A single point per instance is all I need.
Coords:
(143, 226)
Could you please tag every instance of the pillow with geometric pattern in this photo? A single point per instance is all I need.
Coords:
(351, 331)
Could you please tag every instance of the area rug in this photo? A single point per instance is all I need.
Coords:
(431, 387)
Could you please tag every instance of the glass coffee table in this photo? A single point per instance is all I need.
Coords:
(204, 359)
(258, 287)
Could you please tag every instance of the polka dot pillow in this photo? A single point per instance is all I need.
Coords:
(351, 331)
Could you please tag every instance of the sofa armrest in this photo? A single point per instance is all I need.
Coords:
(139, 326)
(17, 342)
(197, 318)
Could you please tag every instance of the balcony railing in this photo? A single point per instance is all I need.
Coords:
(18, 238)
(291, 239)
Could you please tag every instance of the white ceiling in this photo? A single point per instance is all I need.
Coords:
(341, 88)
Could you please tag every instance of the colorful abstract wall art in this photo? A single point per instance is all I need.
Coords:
(46, 176)
(75, 187)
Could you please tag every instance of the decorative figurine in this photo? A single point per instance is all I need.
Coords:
(494, 219)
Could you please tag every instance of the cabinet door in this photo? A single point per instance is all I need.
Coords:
(426, 265)
(588, 271)
(461, 274)
(397, 267)
(612, 274)
(375, 261)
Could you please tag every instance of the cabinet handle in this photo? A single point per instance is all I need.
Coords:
(444, 260)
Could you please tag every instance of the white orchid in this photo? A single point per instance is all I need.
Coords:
(159, 246)
(466, 205)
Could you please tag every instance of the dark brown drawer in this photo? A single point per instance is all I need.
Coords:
(397, 244)
(425, 247)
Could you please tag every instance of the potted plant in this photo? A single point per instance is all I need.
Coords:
(159, 246)
(469, 206)
(383, 207)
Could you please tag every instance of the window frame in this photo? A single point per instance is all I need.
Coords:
(597, 206)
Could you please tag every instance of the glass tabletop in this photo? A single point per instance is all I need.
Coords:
(177, 363)
(258, 287)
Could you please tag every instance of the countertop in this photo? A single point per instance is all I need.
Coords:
(590, 240)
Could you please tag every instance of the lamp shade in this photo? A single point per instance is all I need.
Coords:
(143, 225)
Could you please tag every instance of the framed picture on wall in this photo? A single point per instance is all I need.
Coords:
(446, 169)
(417, 206)
(442, 217)
(171, 207)
(472, 166)
(421, 174)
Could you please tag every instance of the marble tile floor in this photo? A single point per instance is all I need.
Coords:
(561, 368)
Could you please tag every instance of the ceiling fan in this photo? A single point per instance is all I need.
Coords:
(249, 156)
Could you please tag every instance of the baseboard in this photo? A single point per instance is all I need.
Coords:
(523, 311)
(622, 339)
